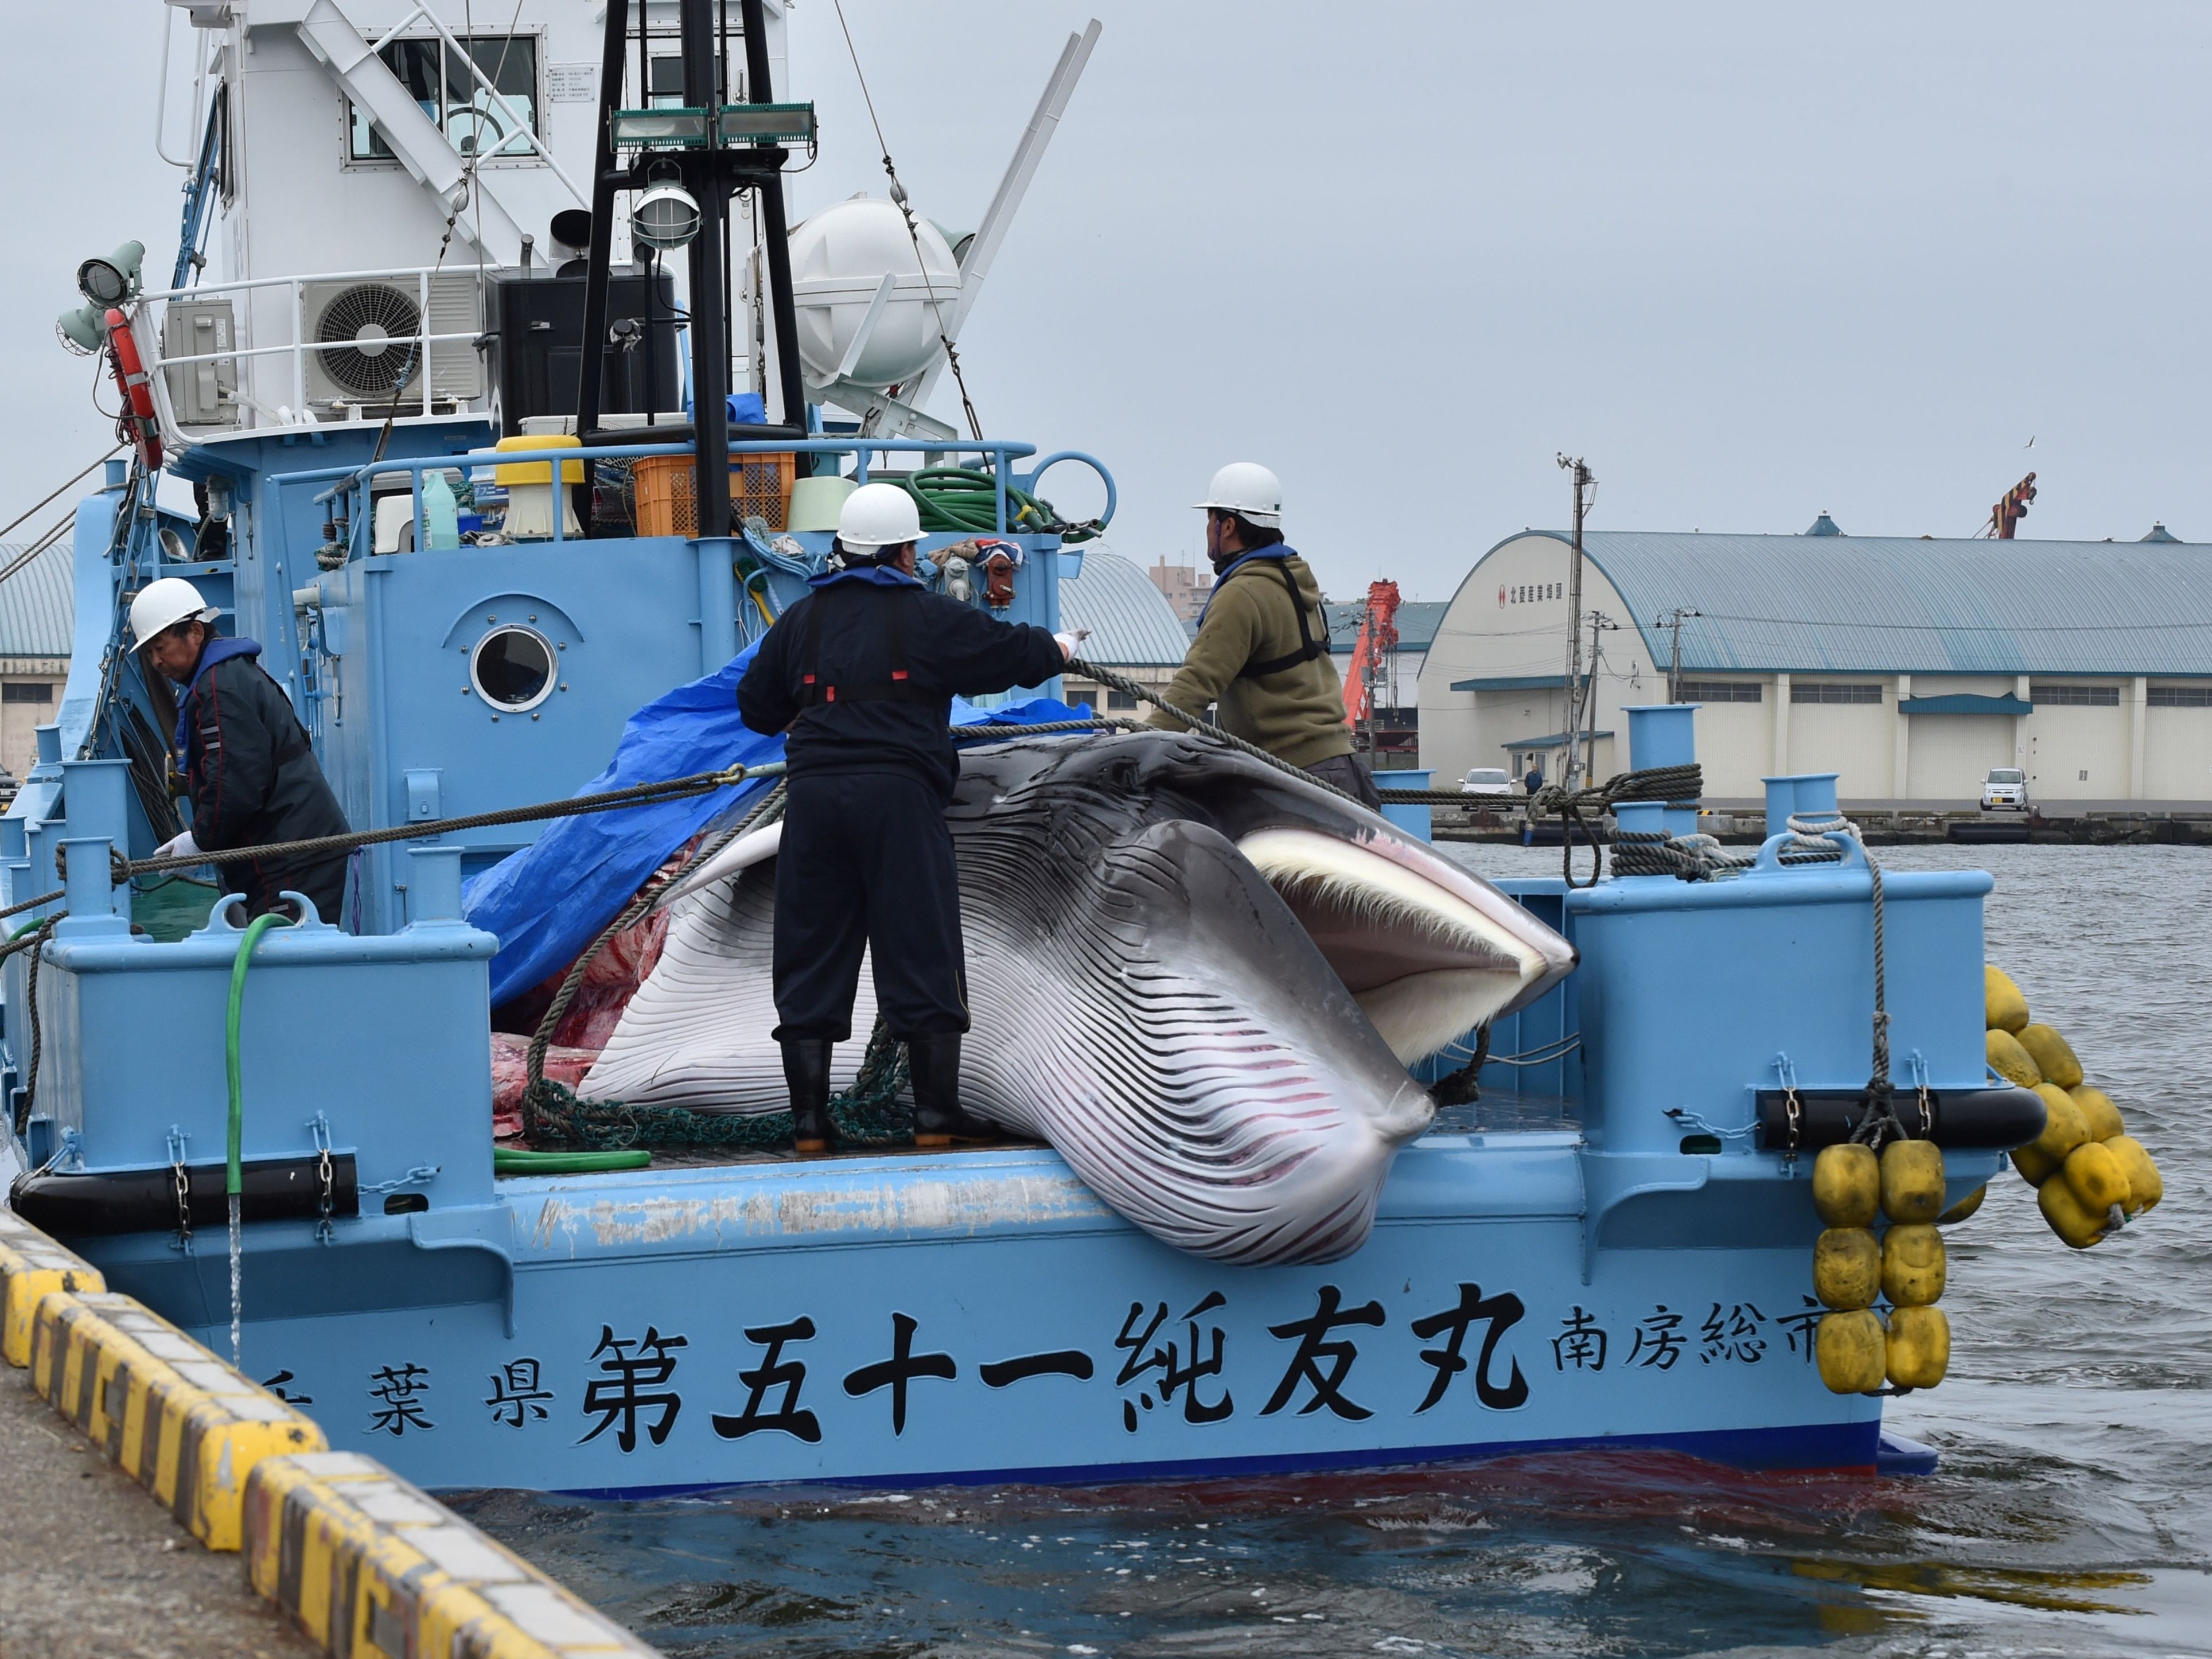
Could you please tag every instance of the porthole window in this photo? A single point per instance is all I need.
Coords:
(512, 668)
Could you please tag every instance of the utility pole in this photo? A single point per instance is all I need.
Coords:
(1672, 621)
(1599, 622)
(1576, 688)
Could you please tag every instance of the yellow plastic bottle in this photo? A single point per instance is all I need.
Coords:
(1912, 1265)
(2052, 1054)
(2098, 1111)
(2145, 1186)
(2009, 1060)
(2097, 1178)
(2076, 1225)
(1846, 1186)
(1919, 1348)
(1913, 1181)
(1852, 1351)
(1846, 1267)
(2002, 1002)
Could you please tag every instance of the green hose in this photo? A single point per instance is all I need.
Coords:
(232, 1184)
(505, 1162)
(966, 498)
(26, 928)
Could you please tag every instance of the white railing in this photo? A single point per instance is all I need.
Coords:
(297, 347)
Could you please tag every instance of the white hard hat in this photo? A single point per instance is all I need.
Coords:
(878, 515)
(1248, 490)
(164, 605)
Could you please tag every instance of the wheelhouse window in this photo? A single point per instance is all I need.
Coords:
(439, 79)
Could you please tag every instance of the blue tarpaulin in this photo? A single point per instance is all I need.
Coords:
(547, 902)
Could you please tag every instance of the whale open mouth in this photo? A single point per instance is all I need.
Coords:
(1420, 946)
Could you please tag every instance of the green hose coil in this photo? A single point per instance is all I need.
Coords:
(965, 499)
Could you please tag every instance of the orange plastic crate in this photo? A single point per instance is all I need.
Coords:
(666, 505)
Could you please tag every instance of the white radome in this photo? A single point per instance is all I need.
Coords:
(839, 258)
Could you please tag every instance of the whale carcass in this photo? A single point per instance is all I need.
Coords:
(1201, 979)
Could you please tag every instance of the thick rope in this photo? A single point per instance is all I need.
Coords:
(1675, 784)
(31, 939)
(1112, 681)
(1811, 834)
(1686, 858)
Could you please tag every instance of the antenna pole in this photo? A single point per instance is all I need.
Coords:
(604, 181)
(776, 234)
(710, 335)
(1576, 686)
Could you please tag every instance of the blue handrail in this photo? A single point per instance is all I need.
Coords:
(346, 480)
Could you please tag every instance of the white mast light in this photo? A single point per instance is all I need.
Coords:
(665, 217)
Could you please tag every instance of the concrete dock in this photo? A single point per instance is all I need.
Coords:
(90, 1567)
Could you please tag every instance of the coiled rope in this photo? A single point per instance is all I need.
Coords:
(1676, 785)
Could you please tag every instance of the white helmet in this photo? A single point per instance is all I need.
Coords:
(878, 515)
(1248, 490)
(164, 605)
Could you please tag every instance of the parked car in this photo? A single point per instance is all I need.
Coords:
(1488, 781)
(2005, 789)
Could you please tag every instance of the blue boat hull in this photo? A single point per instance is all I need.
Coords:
(981, 1317)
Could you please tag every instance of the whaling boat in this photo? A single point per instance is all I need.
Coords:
(1613, 1249)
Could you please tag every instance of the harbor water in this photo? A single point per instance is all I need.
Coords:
(2072, 1514)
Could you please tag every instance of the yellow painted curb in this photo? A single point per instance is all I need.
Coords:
(32, 1265)
(178, 1420)
(370, 1565)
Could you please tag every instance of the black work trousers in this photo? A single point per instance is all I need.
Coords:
(866, 864)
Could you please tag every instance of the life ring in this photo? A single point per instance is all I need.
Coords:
(139, 423)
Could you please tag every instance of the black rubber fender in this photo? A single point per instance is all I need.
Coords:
(1997, 1119)
(84, 1204)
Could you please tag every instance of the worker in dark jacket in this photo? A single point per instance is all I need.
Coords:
(1261, 653)
(861, 672)
(249, 771)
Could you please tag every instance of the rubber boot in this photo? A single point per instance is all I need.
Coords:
(934, 1064)
(807, 1073)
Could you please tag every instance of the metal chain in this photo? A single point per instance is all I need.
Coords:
(184, 1185)
(326, 1203)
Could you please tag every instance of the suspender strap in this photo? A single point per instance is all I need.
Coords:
(1308, 647)
(815, 688)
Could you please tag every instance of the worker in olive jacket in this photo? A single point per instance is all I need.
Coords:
(1261, 651)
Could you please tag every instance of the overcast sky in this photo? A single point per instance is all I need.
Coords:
(1753, 261)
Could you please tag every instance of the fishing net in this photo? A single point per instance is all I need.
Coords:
(869, 1114)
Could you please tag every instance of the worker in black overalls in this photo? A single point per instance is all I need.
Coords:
(861, 673)
(249, 770)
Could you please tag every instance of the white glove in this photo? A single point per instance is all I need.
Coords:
(183, 847)
(1068, 643)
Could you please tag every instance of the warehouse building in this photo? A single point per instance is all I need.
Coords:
(1134, 630)
(38, 607)
(1910, 667)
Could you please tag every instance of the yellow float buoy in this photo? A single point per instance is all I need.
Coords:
(2098, 1111)
(1913, 1181)
(2145, 1186)
(1852, 1351)
(2009, 1060)
(1846, 1186)
(2079, 1227)
(1919, 1348)
(1964, 1208)
(2063, 1126)
(1846, 1267)
(2052, 1054)
(2004, 1007)
(2096, 1177)
(1912, 1265)
(2035, 1168)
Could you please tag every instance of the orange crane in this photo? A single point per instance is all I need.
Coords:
(1378, 636)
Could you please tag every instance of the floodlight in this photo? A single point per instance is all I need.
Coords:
(665, 217)
(112, 280)
(82, 330)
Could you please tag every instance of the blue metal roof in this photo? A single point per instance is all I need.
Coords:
(1902, 604)
(38, 604)
(1416, 625)
(1132, 624)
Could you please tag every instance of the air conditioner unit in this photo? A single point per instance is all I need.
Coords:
(368, 327)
